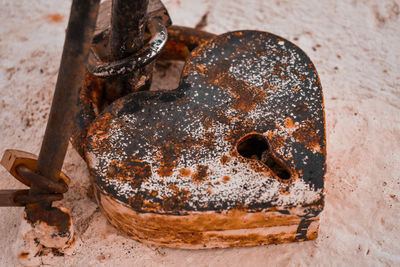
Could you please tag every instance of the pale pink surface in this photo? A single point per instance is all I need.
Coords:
(355, 46)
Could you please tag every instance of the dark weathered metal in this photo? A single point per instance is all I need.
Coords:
(128, 23)
(121, 51)
(243, 133)
(20, 198)
(92, 100)
(181, 40)
(26, 198)
(47, 185)
(70, 77)
(147, 54)
(42, 182)
(7, 198)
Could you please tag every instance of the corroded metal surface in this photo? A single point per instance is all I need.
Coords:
(59, 127)
(208, 229)
(49, 226)
(182, 40)
(243, 131)
(147, 54)
(128, 20)
(126, 43)
(94, 94)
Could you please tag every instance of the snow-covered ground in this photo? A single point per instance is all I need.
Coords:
(355, 45)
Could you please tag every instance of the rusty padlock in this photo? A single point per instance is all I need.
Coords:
(235, 156)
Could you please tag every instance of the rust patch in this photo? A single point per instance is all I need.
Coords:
(307, 135)
(289, 123)
(132, 170)
(246, 97)
(201, 173)
(166, 171)
(226, 179)
(50, 215)
(55, 18)
(182, 40)
(23, 255)
(276, 142)
(185, 172)
(200, 230)
(225, 159)
(176, 201)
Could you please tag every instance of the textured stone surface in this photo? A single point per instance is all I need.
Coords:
(355, 47)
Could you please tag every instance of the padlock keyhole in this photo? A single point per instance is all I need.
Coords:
(256, 147)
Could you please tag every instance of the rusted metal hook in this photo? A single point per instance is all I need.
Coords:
(23, 197)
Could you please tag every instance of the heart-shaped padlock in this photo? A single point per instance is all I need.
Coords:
(235, 156)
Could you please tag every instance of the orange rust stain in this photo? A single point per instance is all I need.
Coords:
(200, 67)
(283, 191)
(225, 159)
(246, 97)
(53, 216)
(209, 140)
(247, 100)
(149, 206)
(175, 51)
(302, 107)
(276, 142)
(23, 255)
(201, 173)
(173, 187)
(268, 86)
(185, 172)
(170, 151)
(207, 123)
(226, 179)
(307, 136)
(132, 170)
(55, 18)
(259, 167)
(165, 171)
(136, 202)
(312, 235)
(194, 228)
(289, 123)
(167, 155)
(176, 201)
(279, 67)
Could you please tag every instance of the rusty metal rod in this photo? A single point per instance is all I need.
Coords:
(78, 39)
(42, 182)
(7, 198)
(128, 23)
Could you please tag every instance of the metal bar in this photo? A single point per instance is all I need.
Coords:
(128, 23)
(42, 182)
(7, 198)
(78, 39)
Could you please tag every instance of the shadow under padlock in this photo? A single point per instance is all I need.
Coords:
(235, 156)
